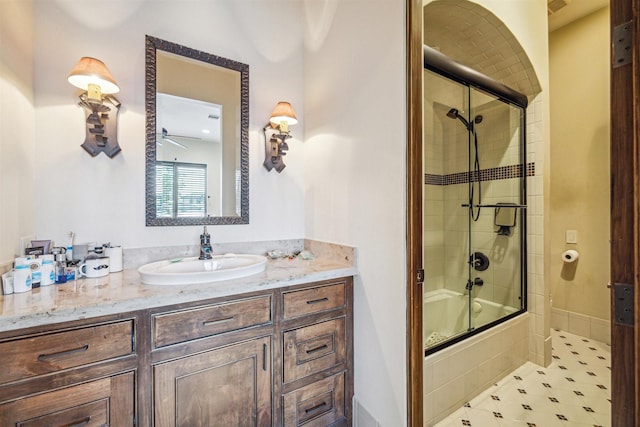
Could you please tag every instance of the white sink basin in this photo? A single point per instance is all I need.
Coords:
(188, 271)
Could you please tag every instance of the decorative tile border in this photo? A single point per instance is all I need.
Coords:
(491, 174)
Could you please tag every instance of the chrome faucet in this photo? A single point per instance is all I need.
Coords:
(205, 245)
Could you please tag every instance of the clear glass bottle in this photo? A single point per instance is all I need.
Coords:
(60, 268)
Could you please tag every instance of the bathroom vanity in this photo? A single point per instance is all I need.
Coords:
(273, 349)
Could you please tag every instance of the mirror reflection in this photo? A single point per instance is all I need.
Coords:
(197, 137)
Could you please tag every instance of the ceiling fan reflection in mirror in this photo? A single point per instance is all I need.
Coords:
(166, 136)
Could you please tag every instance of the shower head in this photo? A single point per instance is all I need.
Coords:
(454, 114)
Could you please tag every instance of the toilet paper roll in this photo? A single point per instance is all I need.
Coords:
(570, 255)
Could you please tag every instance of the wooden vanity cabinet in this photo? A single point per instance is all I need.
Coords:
(278, 358)
(75, 374)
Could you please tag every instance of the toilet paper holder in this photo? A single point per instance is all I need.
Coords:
(570, 255)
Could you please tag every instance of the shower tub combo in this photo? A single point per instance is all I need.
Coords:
(475, 167)
(475, 324)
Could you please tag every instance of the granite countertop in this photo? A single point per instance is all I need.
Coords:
(123, 292)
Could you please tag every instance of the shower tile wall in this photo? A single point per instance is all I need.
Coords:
(539, 306)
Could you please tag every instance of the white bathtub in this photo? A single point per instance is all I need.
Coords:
(446, 313)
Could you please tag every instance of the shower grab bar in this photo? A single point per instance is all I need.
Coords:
(466, 205)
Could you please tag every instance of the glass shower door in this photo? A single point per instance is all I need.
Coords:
(497, 208)
(445, 223)
(474, 214)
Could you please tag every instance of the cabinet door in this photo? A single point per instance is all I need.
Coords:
(108, 401)
(229, 386)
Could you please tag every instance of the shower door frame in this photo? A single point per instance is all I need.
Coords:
(444, 67)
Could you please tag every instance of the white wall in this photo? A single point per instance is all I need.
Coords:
(355, 155)
(349, 188)
(17, 136)
(580, 169)
(102, 199)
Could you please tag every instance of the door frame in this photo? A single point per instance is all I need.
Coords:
(415, 351)
(625, 217)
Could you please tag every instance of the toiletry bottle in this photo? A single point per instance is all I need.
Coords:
(48, 276)
(70, 246)
(35, 265)
(60, 267)
(22, 278)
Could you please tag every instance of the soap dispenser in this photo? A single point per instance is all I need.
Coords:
(205, 245)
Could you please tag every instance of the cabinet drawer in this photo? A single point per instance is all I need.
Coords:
(319, 404)
(313, 349)
(176, 327)
(307, 301)
(94, 414)
(29, 357)
(108, 401)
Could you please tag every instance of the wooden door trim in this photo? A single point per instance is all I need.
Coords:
(625, 219)
(415, 351)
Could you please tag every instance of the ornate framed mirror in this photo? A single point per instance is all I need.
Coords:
(197, 137)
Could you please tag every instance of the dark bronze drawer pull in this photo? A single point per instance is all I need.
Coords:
(264, 357)
(45, 357)
(217, 322)
(315, 408)
(313, 350)
(80, 423)
(316, 301)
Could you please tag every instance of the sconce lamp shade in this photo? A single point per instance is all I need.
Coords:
(283, 113)
(92, 71)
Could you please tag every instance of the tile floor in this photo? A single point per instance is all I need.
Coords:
(573, 391)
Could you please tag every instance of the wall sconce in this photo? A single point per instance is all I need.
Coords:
(92, 75)
(276, 145)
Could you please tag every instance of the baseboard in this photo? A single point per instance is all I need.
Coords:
(362, 417)
(580, 324)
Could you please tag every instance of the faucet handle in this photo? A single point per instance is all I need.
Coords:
(205, 238)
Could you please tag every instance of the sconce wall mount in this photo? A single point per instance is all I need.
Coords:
(101, 108)
(276, 133)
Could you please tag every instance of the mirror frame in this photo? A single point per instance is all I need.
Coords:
(154, 44)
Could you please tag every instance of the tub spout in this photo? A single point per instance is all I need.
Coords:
(476, 282)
